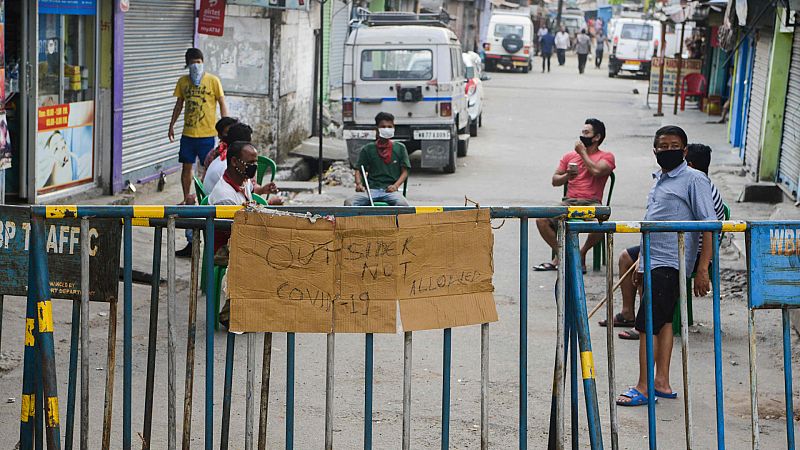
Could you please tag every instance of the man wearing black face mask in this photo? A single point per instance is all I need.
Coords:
(237, 184)
(678, 193)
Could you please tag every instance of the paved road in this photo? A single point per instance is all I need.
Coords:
(529, 122)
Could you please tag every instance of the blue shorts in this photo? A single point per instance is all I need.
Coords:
(193, 148)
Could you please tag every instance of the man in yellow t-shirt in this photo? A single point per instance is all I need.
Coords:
(199, 92)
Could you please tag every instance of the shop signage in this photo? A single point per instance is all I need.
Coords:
(68, 7)
(64, 145)
(671, 73)
(62, 243)
(212, 17)
(277, 4)
(774, 259)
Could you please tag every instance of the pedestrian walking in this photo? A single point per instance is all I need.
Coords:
(600, 46)
(199, 92)
(562, 45)
(547, 43)
(583, 46)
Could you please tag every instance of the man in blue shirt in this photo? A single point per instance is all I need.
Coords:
(547, 43)
(678, 193)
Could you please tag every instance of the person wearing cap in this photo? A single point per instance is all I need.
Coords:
(197, 95)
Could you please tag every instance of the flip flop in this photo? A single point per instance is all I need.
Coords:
(619, 321)
(545, 267)
(629, 335)
(666, 394)
(637, 398)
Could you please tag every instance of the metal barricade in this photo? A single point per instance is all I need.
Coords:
(208, 218)
(575, 281)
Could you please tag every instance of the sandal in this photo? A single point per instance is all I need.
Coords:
(666, 394)
(545, 267)
(636, 398)
(630, 335)
(619, 321)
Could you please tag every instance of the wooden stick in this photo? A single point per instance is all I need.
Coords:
(616, 286)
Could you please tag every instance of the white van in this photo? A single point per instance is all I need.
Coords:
(634, 42)
(509, 41)
(408, 65)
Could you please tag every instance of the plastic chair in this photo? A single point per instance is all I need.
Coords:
(199, 189)
(692, 85)
(264, 163)
(405, 190)
(599, 250)
(676, 316)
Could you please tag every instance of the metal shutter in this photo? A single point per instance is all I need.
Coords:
(157, 34)
(758, 92)
(339, 26)
(789, 168)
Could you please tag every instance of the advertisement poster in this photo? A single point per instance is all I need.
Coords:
(68, 7)
(5, 143)
(64, 145)
(211, 20)
(671, 73)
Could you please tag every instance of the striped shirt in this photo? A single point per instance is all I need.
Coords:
(682, 194)
(719, 208)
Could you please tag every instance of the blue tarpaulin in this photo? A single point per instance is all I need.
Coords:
(68, 7)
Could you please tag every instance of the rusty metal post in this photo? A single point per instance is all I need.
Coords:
(152, 342)
(687, 396)
(111, 364)
(265, 376)
(85, 253)
(190, 344)
(612, 381)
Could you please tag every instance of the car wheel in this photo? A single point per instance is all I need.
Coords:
(463, 147)
(473, 127)
(480, 120)
(526, 69)
(451, 164)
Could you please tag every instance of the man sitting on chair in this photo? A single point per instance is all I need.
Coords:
(386, 164)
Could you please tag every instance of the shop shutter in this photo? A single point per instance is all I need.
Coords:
(789, 168)
(157, 34)
(758, 92)
(339, 26)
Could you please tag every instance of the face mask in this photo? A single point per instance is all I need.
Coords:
(386, 133)
(669, 159)
(249, 170)
(196, 73)
(587, 141)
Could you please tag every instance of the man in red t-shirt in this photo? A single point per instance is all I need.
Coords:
(585, 171)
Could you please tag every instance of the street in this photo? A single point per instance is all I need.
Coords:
(529, 122)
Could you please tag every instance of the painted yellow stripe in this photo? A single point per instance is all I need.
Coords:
(227, 211)
(59, 212)
(52, 412)
(28, 407)
(428, 209)
(29, 324)
(581, 212)
(587, 365)
(734, 225)
(45, 316)
(148, 211)
(140, 222)
(628, 227)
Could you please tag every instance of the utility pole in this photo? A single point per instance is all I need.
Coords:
(558, 16)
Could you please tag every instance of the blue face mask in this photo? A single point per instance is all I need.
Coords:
(196, 73)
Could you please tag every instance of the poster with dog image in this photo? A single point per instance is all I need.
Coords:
(64, 145)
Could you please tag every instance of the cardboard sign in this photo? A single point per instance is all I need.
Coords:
(62, 243)
(287, 274)
(211, 20)
(774, 265)
(671, 73)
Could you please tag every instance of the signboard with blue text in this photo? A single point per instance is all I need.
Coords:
(68, 7)
(275, 4)
(774, 265)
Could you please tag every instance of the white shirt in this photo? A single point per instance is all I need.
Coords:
(562, 40)
(225, 194)
(214, 174)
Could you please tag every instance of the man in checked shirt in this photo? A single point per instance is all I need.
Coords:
(679, 193)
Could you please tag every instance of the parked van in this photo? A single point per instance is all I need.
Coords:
(509, 41)
(634, 42)
(409, 65)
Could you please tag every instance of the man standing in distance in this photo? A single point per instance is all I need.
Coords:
(562, 44)
(583, 46)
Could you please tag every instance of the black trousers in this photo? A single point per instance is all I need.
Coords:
(562, 56)
(598, 58)
(546, 61)
(582, 62)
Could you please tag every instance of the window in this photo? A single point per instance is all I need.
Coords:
(396, 64)
(502, 30)
(636, 31)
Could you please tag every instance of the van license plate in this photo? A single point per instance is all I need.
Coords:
(421, 135)
(632, 64)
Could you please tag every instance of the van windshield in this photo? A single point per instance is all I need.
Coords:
(639, 32)
(396, 64)
(503, 29)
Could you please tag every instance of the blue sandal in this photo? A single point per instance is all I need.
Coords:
(637, 398)
(666, 394)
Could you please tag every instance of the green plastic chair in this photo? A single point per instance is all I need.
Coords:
(264, 163)
(599, 250)
(405, 190)
(199, 189)
(676, 316)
